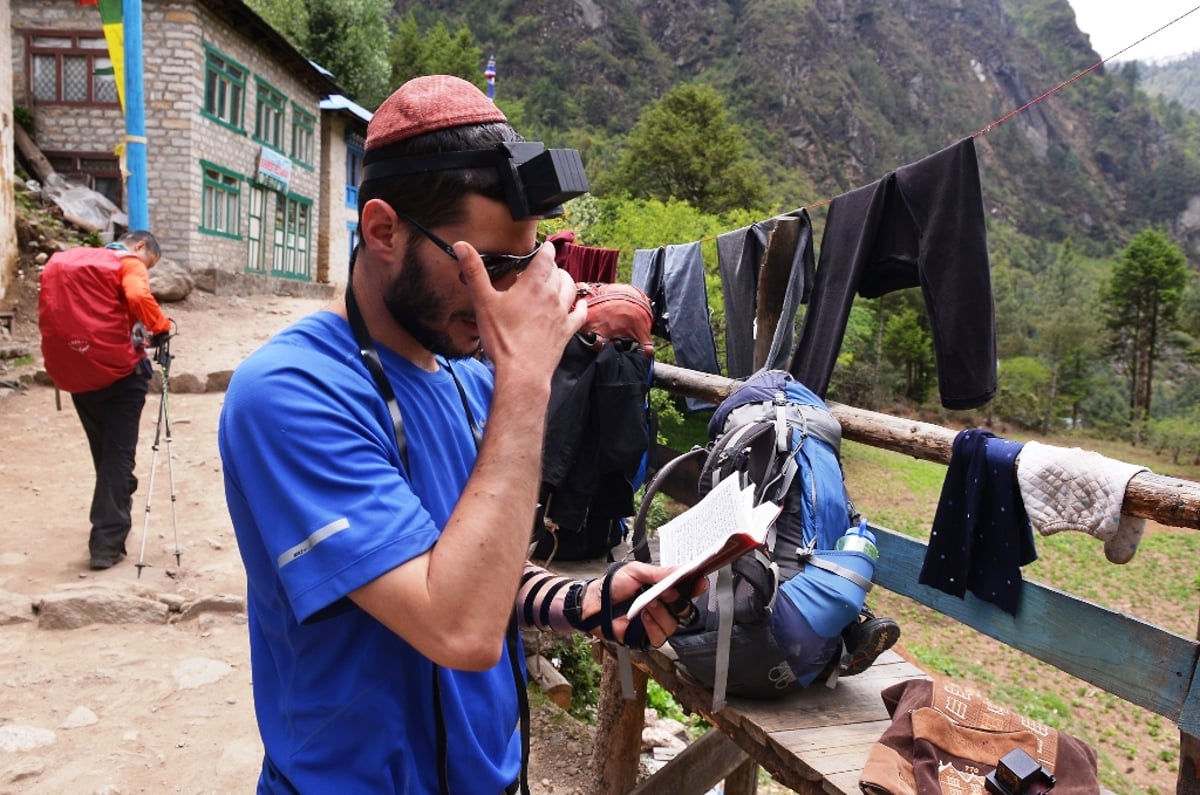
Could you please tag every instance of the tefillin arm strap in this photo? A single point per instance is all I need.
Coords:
(370, 357)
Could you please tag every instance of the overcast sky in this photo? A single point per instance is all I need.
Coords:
(1115, 24)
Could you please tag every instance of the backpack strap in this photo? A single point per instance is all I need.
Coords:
(724, 596)
(808, 557)
(725, 599)
(639, 542)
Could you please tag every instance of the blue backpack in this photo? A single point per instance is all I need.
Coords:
(773, 622)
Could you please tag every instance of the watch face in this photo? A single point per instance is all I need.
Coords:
(573, 603)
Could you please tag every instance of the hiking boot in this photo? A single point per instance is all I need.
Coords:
(101, 562)
(865, 640)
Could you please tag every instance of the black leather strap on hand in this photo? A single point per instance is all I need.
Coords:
(635, 633)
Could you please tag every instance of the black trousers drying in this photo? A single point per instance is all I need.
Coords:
(922, 225)
(110, 418)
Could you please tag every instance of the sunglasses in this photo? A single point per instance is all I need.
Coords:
(497, 265)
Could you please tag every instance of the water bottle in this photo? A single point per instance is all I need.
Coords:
(859, 539)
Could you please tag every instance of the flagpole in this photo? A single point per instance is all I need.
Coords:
(135, 118)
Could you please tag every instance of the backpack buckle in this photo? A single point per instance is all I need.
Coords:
(805, 553)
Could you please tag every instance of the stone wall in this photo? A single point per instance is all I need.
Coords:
(223, 282)
(8, 212)
(334, 260)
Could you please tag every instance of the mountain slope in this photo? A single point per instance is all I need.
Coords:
(836, 93)
(1177, 80)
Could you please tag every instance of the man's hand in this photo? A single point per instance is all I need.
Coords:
(659, 619)
(162, 349)
(526, 325)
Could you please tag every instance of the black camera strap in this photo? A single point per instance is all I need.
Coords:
(370, 358)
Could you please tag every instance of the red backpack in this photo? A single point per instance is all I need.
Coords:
(617, 312)
(86, 326)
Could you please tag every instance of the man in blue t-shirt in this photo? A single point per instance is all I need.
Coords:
(382, 480)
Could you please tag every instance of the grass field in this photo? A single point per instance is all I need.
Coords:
(1138, 751)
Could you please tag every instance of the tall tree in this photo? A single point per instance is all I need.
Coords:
(684, 146)
(1142, 298)
(347, 37)
(414, 52)
(908, 344)
(350, 39)
(289, 17)
(1064, 322)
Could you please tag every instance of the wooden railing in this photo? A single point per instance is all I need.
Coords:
(1167, 500)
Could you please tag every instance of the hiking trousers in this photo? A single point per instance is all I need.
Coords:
(110, 418)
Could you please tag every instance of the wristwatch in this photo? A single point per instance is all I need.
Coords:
(573, 603)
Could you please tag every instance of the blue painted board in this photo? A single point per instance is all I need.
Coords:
(1130, 658)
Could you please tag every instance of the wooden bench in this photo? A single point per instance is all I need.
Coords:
(817, 741)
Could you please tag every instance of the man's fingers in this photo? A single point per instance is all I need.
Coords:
(658, 624)
(470, 266)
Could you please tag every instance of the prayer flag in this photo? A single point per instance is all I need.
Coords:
(112, 20)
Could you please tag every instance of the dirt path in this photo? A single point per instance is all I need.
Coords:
(161, 707)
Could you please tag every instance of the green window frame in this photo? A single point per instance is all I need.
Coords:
(221, 201)
(270, 115)
(293, 237)
(304, 125)
(259, 200)
(224, 89)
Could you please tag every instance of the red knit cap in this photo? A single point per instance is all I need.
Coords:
(425, 104)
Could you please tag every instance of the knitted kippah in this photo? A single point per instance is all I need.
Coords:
(425, 104)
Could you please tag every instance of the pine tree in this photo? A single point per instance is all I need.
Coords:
(1142, 300)
(684, 146)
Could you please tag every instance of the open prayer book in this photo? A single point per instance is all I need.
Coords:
(714, 532)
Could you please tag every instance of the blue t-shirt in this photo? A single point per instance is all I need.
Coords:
(321, 506)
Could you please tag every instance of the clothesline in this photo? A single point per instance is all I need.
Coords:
(922, 225)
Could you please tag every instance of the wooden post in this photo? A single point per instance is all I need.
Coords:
(1167, 500)
(773, 278)
(744, 780)
(1188, 780)
(619, 726)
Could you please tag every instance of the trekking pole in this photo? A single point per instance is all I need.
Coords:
(163, 357)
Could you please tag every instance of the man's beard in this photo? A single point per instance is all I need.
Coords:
(415, 306)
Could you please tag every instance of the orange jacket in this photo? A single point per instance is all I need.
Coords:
(135, 281)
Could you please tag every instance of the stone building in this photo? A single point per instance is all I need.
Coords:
(237, 142)
(343, 142)
(8, 229)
